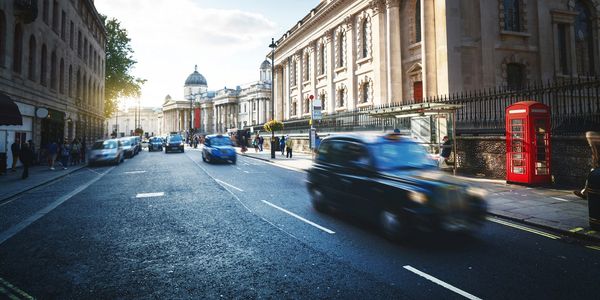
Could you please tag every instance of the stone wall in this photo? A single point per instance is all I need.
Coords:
(486, 156)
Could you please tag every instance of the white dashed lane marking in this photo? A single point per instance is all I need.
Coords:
(442, 283)
(299, 217)
(148, 195)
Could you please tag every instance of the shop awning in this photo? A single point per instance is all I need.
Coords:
(9, 111)
(413, 110)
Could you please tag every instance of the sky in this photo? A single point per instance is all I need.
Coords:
(227, 39)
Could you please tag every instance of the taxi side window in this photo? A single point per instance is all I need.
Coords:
(323, 154)
(355, 155)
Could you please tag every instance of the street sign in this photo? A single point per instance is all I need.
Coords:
(316, 111)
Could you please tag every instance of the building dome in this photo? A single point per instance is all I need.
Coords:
(265, 64)
(195, 78)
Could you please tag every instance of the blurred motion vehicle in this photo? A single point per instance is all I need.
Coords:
(107, 151)
(391, 181)
(136, 143)
(155, 144)
(128, 147)
(174, 143)
(218, 147)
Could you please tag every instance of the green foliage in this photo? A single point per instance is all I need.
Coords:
(119, 62)
(273, 126)
(139, 131)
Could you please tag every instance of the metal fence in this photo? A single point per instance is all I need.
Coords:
(574, 105)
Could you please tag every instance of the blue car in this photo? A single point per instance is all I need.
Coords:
(218, 148)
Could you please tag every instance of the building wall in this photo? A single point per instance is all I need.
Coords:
(51, 67)
(150, 121)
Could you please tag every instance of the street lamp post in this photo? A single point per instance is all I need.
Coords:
(192, 97)
(272, 46)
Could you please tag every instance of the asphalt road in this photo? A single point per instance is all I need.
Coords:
(170, 226)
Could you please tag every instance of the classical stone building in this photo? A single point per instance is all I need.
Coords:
(52, 65)
(177, 114)
(363, 53)
(124, 121)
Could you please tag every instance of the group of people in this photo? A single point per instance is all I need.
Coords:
(66, 153)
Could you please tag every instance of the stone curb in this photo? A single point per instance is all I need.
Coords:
(577, 235)
(27, 189)
(581, 236)
(269, 161)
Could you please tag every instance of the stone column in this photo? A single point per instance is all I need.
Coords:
(379, 45)
(393, 52)
(350, 62)
(330, 67)
(428, 47)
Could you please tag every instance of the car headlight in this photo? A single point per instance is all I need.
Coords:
(476, 192)
(417, 197)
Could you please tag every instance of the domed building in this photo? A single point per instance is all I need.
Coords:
(178, 115)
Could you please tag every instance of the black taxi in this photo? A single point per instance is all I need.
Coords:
(392, 181)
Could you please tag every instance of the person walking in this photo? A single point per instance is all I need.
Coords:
(52, 151)
(288, 147)
(34, 156)
(26, 157)
(15, 149)
(83, 150)
(261, 141)
(255, 143)
(75, 151)
(593, 139)
(282, 145)
(65, 152)
(446, 151)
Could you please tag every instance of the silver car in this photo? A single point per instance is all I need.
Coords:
(107, 151)
(128, 147)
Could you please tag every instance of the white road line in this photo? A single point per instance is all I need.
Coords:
(560, 199)
(538, 232)
(135, 172)
(299, 217)
(247, 172)
(148, 195)
(41, 213)
(229, 185)
(442, 283)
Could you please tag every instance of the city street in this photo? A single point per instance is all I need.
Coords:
(171, 226)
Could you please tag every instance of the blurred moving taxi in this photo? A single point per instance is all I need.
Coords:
(391, 181)
(218, 147)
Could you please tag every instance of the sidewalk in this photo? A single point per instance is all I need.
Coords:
(11, 183)
(553, 209)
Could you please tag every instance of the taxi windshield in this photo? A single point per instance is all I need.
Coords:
(220, 141)
(401, 155)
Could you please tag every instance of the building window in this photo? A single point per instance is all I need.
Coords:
(294, 108)
(63, 26)
(61, 77)
(512, 15)
(85, 50)
(44, 66)
(18, 48)
(563, 56)
(294, 73)
(364, 33)
(323, 98)
(322, 59)
(306, 74)
(46, 11)
(32, 58)
(78, 85)
(2, 38)
(340, 40)
(584, 46)
(70, 84)
(417, 21)
(53, 81)
(515, 76)
(79, 43)
(306, 105)
(366, 92)
(340, 95)
(55, 16)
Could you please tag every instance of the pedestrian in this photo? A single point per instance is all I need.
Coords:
(65, 153)
(83, 150)
(33, 152)
(15, 149)
(316, 145)
(255, 143)
(261, 141)
(288, 147)
(75, 151)
(445, 153)
(282, 145)
(52, 151)
(593, 139)
(26, 157)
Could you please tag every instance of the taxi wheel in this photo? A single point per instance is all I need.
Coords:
(393, 226)
(318, 199)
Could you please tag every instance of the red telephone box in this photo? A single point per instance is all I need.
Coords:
(528, 143)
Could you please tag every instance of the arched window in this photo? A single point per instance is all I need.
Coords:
(53, 81)
(70, 84)
(2, 38)
(418, 21)
(44, 66)
(340, 49)
(306, 74)
(341, 101)
(515, 76)
(32, 58)
(366, 92)
(18, 48)
(322, 59)
(584, 46)
(512, 15)
(61, 76)
(364, 33)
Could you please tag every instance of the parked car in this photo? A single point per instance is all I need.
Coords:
(218, 147)
(136, 143)
(155, 144)
(391, 181)
(128, 147)
(106, 151)
(174, 143)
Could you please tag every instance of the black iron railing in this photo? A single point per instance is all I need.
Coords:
(574, 104)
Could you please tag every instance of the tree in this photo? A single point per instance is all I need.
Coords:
(119, 61)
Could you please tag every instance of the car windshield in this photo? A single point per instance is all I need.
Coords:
(220, 141)
(126, 142)
(175, 139)
(401, 155)
(104, 145)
